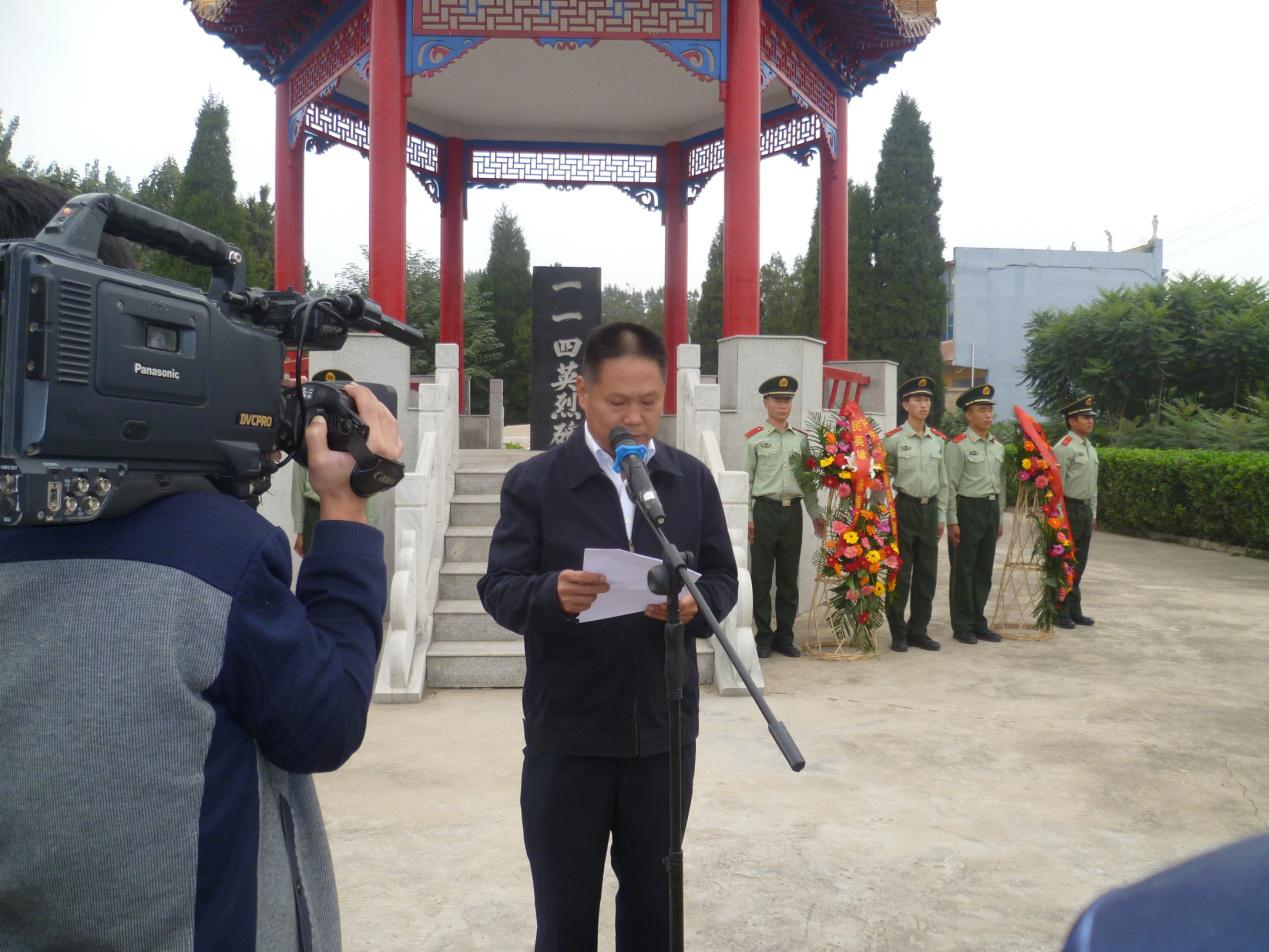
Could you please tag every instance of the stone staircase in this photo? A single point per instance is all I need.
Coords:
(468, 649)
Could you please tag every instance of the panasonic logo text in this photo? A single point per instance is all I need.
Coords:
(145, 371)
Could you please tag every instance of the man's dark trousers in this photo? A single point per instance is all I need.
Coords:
(972, 561)
(919, 550)
(568, 806)
(777, 543)
(1081, 516)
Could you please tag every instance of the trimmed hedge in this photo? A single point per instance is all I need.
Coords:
(1203, 494)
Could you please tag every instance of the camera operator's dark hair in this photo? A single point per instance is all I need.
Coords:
(27, 205)
(621, 339)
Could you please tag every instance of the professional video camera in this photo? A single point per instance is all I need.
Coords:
(118, 387)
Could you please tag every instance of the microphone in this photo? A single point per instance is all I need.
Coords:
(628, 455)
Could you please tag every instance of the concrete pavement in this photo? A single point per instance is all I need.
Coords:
(972, 799)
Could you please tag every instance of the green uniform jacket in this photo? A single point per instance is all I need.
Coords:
(916, 464)
(1078, 459)
(767, 452)
(975, 468)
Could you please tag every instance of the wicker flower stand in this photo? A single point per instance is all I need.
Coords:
(825, 643)
(1023, 577)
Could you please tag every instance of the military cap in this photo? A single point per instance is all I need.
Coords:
(783, 386)
(917, 387)
(984, 394)
(1081, 407)
(331, 374)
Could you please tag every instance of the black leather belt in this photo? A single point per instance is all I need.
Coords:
(771, 500)
(991, 498)
(923, 500)
(1078, 502)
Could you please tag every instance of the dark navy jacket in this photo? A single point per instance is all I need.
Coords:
(163, 699)
(1217, 901)
(598, 689)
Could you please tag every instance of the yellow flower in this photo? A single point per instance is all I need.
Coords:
(851, 537)
(874, 556)
(826, 462)
(1026, 464)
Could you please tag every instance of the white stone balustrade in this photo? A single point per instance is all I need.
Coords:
(698, 432)
(421, 518)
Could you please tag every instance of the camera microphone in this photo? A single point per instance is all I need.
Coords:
(628, 455)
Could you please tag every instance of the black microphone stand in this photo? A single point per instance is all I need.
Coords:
(669, 578)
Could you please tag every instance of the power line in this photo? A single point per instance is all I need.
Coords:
(1233, 209)
(1220, 234)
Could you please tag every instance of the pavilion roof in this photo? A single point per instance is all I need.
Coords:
(860, 39)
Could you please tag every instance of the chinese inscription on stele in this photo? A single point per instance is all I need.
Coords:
(566, 308)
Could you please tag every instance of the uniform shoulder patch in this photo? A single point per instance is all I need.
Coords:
(939, 433)
(1066, 441)
(897, 429)
(958, 438)
(757, 429)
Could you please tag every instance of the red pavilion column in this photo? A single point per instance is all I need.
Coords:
(288, 197)
(453, 211)
(834, 243)
(389, 87)
(742, 131)
(674, 217)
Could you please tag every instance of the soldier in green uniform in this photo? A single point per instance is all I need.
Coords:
(775, 518)
(1078, 459)
(976, 498)
(914, 454)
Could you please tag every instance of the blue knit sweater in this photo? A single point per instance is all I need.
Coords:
(163, 700)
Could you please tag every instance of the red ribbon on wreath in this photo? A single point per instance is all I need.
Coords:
(1032, 431)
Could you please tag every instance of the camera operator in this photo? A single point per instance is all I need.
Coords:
(163, 699)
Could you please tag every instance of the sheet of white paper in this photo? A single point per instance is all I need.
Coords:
(628, 591)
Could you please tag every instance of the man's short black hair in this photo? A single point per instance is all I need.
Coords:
(620, 339)
(27, 205)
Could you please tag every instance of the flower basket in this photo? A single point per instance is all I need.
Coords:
(1040, 563)
(857, 563)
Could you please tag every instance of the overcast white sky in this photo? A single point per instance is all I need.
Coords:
(1052, 123)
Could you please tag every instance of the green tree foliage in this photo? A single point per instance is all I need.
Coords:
(482, 348)
(706, 326)
(907, 323)
(866, 333)
(1188, 426)
(1196, 338)
(807, 271)
(507, 286)
(158, 189)
(779, 298)
(629, 304)
(7, 132)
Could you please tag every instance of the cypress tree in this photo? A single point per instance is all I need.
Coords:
(866, 330)
(780, 300)
(808, 278)
(206, 196)
(707, 324)
(507, 287)
(912, 302)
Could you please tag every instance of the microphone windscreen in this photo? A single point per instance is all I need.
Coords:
(618, 437)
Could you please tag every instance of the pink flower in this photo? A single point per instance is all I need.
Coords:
(865, 590)
(852, 552)
(853, 595)
(1041, 481)
(1024, 475)
(839, 527)
(843, 490)
(877, 486)
(892, 562)
(883, 525)
(1057, 550)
